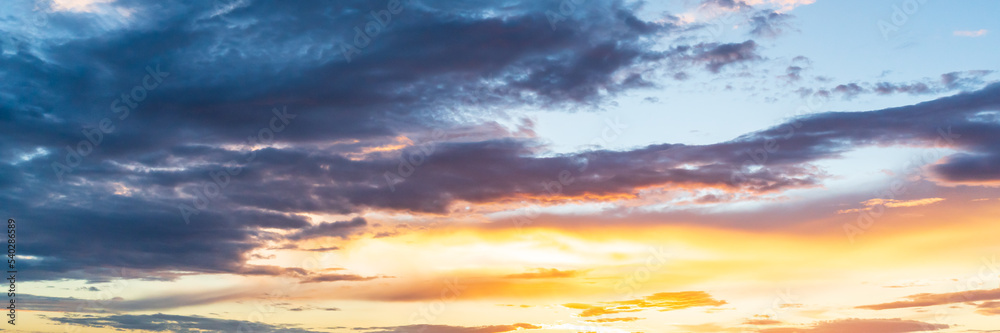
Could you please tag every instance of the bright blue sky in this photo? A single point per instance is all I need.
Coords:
(844, 44)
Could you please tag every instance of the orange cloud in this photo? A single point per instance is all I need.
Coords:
(988, 308)
(611, 320)
(862, 325)
(926, 299)
(892, 203)
(660, 301)
(761, 322)
(545, 273)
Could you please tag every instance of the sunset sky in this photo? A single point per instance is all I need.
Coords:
(487, 166)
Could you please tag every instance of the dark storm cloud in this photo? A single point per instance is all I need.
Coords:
(295, 180)
(221, 71)
(484, 171)
(983, 166)
(227, 71)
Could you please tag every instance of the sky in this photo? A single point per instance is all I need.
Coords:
(405, 166)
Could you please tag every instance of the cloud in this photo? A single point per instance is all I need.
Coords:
(793, 73)
(964, 80)
(667, 301)
(337, 277)
(892, 203)
(150, 303)
(849, 90)
(323, 249)
(726, 4)
(783, 5)
(545, 273)
(761, 322)
(448, 329)
(966, 33)
(927, 299)
(76, 5)
(341, 229)
(886, 88)
(831, 326)
(223, 84)
(146, 233)
(948, 82)
(862, 325)
(173, 323)
(988, 308)
(769, 24)
(780, 5)
(613, 320)
(220, 87)
(717, 56)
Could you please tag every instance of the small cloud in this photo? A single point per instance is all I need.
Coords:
(337, 277)
(761, 322)
(965, 33)
(891, 203)
(543, 273)
(862, 325)
(515, 305)
(988, 308)
(926, 299)
(324, 249)
(611, 320)
(342, 229)
(668, 301)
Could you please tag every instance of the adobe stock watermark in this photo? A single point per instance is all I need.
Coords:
(373, 28)
(627, 286)
(866, 217)
(94, 135)
(900, 16)
(209, 191)
(631, 283)
(566, 8)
